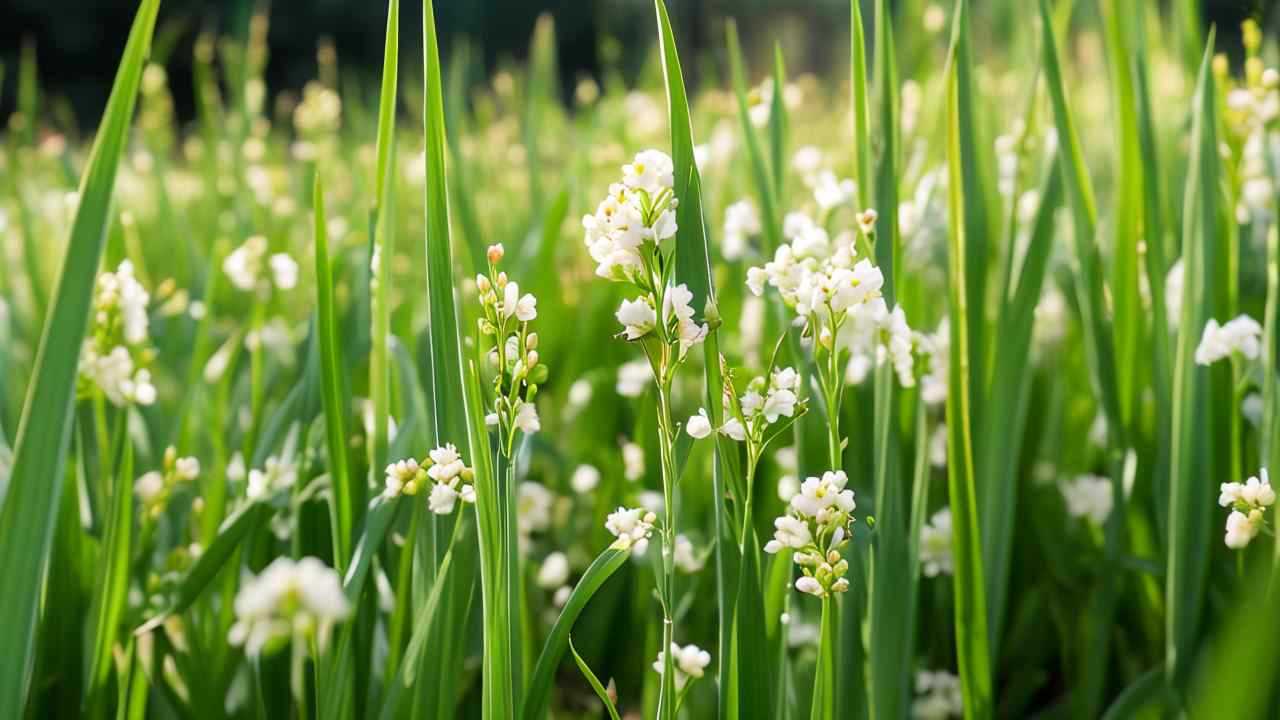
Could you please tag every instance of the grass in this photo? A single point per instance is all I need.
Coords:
(1036, 172)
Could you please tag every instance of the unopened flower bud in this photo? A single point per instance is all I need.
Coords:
(483, 285)
(495, 253)
(531, 342)
(867, 220)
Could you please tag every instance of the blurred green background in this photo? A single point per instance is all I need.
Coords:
(78, 42)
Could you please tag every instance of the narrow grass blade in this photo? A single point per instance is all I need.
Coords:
(778, 125)
(970, 595)
(335, 400)
(30, 509)
(538, 693)
(112, 582)
(860, 102)
(1191, 445)
(595, 683)
(238, 525)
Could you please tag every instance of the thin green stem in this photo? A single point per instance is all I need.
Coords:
(666, 583)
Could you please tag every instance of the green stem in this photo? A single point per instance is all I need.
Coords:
(823, 703)
(666, 583)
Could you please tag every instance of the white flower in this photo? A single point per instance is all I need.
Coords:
(403, 476)
(690, 661)
(1173, 289)
(807, 160)
(243, 265)
(585, 479)
(637, 317)
(684, 556)
(562, 596)
(1251, 408)
(186, 468)
(831, 192)
(442, 499)
(1242, 528)
(298, 599)
(733, 430)
(149, 486)
(935, 545)
(810, 585)
(632, 461)
(651, 171)
(779, 403)
(676, 306)
(633, 378)
(523, 307)
(741, 222)
(533, 507)
(1241, 335)
(789, 532)
(1088, 496)
(284, 271)
(938, 694)
(138, 389)
(898, 346)
(554, 571)
(819, 497)
(631, 527)
(276, 475)
(699, 426)
(527, 418)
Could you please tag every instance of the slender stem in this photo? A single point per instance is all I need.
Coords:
(823, 678)
(666, 584)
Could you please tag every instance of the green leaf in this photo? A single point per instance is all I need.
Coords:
(112, 586)
(594, 681)
(538, 693)
(1192, 446)
(238, 525)
(335, 399)
(30, 509)
(771, 218)
(971, 632)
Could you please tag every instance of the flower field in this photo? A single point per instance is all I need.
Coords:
(940, 383)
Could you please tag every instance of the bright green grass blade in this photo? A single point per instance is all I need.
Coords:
(778, 125)
(860, 102)
(238, 526)
(1127, 310)
(1237, 674)
(335, 402)
(1192, 446)
(970, 595)
(377, 521)
(770, 215)
(1007, 400)
(594, 681)
(892, 587)
(751, 647)
(445, 342)
(1079, 193)
(693, 263)
(382, 232)
(977, 214)
(1141, 693)
(30, 509)
(538, 693)
(112, 586)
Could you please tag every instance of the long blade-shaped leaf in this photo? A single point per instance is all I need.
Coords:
(970, 594)
(113, 579)
(31, 504)
(539, 691)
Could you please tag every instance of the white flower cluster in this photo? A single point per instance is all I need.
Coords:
(690, 663)
(1248, 502)
(938, 696)
(639, 319)
(1088, 496)
(514, 354)
(291, 599)
(451, 479)
(632, 527)
(116, 350)
(154, 488)
(764, 403)
(816, 527)
(935, 545)
(639, 213)
(251, 269)
(1241, 335)
(276, 474)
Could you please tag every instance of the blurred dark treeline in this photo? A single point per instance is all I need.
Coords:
(78, 42)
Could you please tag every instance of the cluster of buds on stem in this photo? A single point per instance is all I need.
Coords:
(817, 527)
(443, 469)
(513, 351)
(154, 488)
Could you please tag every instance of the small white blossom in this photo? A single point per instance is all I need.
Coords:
(1089, 496)
(1241, 335)
(637, 318)
(633, 378)
(632, 461)
(290, 599)
(935, 545)
(685, 557)
(631, 527)
(938, 696)
(690, 662)
(585, 479)
(554, 571)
